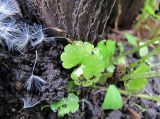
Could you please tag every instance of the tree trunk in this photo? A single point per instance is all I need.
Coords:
(84, 19)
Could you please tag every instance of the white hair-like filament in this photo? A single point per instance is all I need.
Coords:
(7, 27)
(30, 101)
(17, 37)
(36, 34)
(8, 8)
(34, 83)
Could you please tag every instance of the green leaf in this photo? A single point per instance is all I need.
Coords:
(120, 47)
(89, 71)
(112, 99)
(121, 60)
(107, 49)
(131, 39)
(111, 68)
(75, 53)
(110, 47)
(134, 84)
(71, 87)
(89, 61)
(93, 64)
(142, 68)
(66, 105)
(150, 10)
(143, 51)
(56, 105)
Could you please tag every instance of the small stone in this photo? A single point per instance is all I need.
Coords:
(13, 109)
(114, 115)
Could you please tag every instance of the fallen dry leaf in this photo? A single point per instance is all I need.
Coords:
(133, 113)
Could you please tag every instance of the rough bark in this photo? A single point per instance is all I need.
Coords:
(85, 19)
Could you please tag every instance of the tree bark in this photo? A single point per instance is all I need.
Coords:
(84, 19)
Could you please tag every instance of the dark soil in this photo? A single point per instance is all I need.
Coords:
(15, 68)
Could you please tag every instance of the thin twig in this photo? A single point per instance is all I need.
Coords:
(35, 62)
(118, 16)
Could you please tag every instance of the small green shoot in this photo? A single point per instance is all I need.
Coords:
(131, 39)
(136, 84)
(72, 88)
(66, 105)
(107, 49)
(143, 51)
(112, 99)
(151, 6)
(121, 60)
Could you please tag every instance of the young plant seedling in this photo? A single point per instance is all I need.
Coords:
(112, 98)
(137, 84)
(66, 105)
(90, 61)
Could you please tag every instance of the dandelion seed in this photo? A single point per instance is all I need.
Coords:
(17, 37)
(34, 83)
(3, 16)
(21, 38)
(36, 34)
(30, 101)
(7, 27)
(8, 8)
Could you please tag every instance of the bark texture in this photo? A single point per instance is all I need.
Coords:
(85, 19)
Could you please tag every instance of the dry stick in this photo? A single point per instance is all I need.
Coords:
(87, 102)
(54, 28)
(133, 113)
(56, 37)
(35, 62)
(109, 15)
(118, 16)
(59, 37)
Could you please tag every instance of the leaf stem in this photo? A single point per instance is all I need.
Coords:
(150, 74)
(155, 51)
(143, 96)
(45, 106)
(123, 92)
(136, 49)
